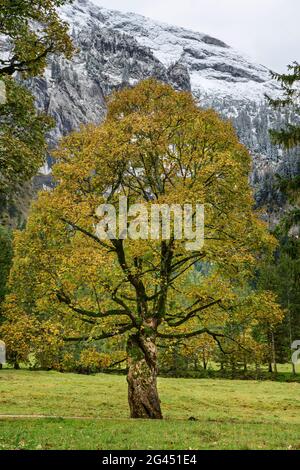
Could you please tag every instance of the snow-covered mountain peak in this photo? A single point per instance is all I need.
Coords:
(117, 49)
(215, 69)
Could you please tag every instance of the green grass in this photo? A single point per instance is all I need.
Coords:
(230, 414)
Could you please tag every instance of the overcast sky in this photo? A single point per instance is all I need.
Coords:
(267, 30)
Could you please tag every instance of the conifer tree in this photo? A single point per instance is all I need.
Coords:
(284, 275)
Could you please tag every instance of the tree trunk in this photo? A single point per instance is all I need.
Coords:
(204, 362)
(143, 396)
(257, 370)
(291, 334)
(245, 356)
(274, 352)
(270, 345)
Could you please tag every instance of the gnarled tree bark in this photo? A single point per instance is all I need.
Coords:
(143, 396)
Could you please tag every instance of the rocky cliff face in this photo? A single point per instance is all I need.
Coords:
(117, 50)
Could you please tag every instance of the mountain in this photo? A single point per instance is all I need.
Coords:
(118, 49)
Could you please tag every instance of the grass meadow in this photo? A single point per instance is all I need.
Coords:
(50, 410)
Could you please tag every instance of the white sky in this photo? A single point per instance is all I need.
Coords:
(266, 30)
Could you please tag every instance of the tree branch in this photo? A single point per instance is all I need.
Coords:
(193, 313)
(104, 335)
(88, 234)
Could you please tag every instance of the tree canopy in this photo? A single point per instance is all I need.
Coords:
(290, 136)
(31, 29)
(22, 137)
